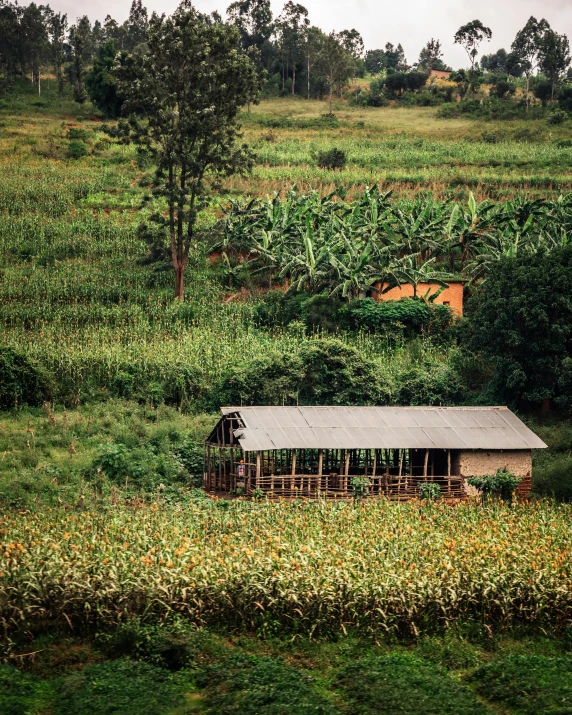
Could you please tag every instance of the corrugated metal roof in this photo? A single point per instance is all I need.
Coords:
(267, 428)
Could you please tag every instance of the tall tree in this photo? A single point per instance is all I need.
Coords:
(375, 61)
(334, 63)
(313, 39)
(527, 46)
(182, 98)
(253, 18)
(470, 37)
(81, 44)
(352, 42)
(292, 25)
(35, 40)
(554, 57)
(136, 26)
(431, 57)
(57, 29)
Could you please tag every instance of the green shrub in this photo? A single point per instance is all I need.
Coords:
(21, 694)
(402, 683)
(407, 315)
(325, 371)
(429, 491)
(75, 134)
(118, 687)
(554, 479)
(332, 159)
(21, 380)
(146, 466)
(527, 684)
(558, 116)
(500, 485)
(174, 645)
(76, 150)
(250, 685)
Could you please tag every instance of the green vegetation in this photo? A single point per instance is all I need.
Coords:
(123, 587)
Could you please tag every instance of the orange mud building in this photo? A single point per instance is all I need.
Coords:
(451, 296)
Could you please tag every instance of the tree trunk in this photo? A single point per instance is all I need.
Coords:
(527, 90)
(180, 281)
(331, 89)
(308, 76)
(545, 407)
(293, 79)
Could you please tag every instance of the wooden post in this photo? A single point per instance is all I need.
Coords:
(448, 462)
(320, 468)
(426, 463)
(401, 453)
(347, 470)
(293, 462)
(258, 470)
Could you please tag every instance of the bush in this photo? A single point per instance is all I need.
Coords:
(500, 485)
(21, 694)
(119, 686)
(146, 466)
(75, 134)
(429, 491)
(21, 380)
(332, 159)
(76, 150)
(251, 685)
(527, 684)
(407, 316)
(402, 683)
(558, 116)
(323, 371)
(554, 479)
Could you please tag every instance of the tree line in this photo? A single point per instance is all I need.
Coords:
(295, 56)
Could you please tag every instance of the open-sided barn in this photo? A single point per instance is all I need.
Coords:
(320, 451)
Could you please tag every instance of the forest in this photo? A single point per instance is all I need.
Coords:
(208, 210)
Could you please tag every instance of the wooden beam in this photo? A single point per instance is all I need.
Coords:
(320, 461)
(293, 462)
(426, 463)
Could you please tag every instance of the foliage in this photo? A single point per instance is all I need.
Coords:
(187, 50)
(253, 685)
(101, 84)
(470, 36)
(526, 684)
(429, 491)
(119, 686)
(21, 693)
(359, 487)
(501, 485)
(554, 479)
(21, 380)
(405, 684)
(526, 305)
(146, 466)
(76, 149)
(306, 567)
(392, 316)
(332, 159)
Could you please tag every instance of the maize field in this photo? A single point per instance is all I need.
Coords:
(309, 568)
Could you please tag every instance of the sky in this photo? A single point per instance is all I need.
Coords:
(379, 21)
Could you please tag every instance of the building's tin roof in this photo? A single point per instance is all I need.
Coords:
(267, 428)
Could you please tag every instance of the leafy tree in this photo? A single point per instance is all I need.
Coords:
(502, 88)
(375, 61)
(57, 29)
(254, 21)
(34, 38)
(81, 45)
(554, 57)
(527, 47)
(470, 37)
(313, 39)
(352, 42)
(334, 63)
(182, 98)
(431, 57)
(101, 82)
(292, 25)
(522, 321)
(136, 26)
